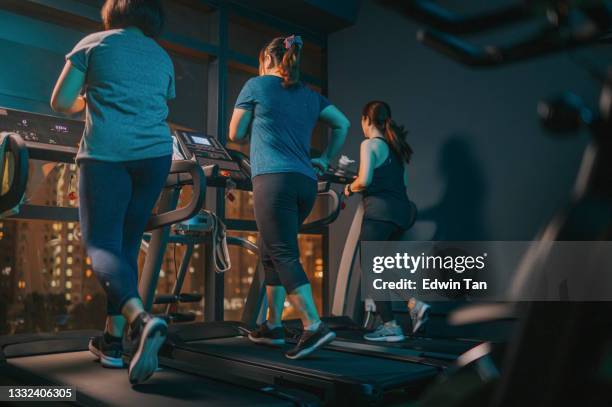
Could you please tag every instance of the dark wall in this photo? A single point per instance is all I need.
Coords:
(32, 52)
(482, 168)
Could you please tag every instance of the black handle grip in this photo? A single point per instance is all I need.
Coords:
(242, 159)
(14, 145)
(198, 180)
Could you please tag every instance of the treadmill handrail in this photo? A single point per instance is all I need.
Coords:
(198, 180)
(242, 159)
(336, 204)
(14, 143)
(242, 242)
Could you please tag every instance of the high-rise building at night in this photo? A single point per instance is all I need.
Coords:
(48, 258)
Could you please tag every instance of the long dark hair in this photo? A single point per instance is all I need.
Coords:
(379, 113)
(286, 58)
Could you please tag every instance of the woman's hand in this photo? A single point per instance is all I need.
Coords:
(347, 190)
(321, 164)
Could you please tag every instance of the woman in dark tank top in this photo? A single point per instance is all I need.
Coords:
(388, 212)
(385, 198)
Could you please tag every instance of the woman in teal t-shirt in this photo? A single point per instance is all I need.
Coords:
(124, 159)
(280, 113)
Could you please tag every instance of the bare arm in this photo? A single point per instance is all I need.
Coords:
(66, 96)
(339, 125)
(239, 125)
(367, 164)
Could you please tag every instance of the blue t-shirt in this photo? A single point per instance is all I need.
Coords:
(283, 121)
(129, 79)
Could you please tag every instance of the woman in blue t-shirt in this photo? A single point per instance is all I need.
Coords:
(124, 159)
(280, 113)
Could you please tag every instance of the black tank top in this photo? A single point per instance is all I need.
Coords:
(385, 198)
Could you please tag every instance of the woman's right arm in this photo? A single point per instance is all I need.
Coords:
(66, 96)
(339, 124)
(239, 125)
(367, 164)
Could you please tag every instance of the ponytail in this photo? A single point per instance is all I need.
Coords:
(379, 113)
(396, 137)
(290, 66)
(286, 54)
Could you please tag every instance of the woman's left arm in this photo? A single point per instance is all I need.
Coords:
(66, 96)
(239, 125)
(367, 163)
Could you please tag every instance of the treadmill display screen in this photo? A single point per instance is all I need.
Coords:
(42, 129)
(201, 140)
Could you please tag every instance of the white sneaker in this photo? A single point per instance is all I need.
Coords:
(386, 334)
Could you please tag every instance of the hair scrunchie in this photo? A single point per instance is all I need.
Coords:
(293, 40)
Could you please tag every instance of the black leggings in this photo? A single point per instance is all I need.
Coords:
(282, 202)
(378, 230)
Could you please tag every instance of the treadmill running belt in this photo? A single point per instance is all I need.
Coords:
(110, 387)
(385, 373)
(433, 345)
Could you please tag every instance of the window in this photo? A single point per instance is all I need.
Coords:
(28, 247)
(188, 110)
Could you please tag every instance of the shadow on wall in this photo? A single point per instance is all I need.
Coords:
(460, 213)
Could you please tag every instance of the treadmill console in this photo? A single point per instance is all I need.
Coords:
(338, 176)
(47, 137)
(207, 150)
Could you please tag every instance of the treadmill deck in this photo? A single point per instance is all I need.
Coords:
(384, 373)
(96, 385)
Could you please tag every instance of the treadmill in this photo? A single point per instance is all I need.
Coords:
(62, 359)
(220, 349)
(439, 341)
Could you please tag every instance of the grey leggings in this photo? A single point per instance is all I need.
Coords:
(282, 202)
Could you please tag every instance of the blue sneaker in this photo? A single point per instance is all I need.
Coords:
(147, 335)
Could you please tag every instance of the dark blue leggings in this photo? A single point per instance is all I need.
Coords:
(115, 203)
(282, 202)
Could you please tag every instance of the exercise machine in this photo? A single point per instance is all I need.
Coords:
(62, 359)
(351, 316)
(220, 349)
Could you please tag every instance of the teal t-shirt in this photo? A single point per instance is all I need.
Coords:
(129, 79)
(283, 122)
